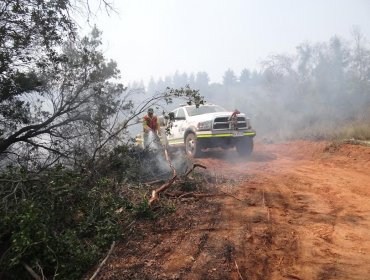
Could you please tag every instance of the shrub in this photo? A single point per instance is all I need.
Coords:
(60, 221)
(56, 221)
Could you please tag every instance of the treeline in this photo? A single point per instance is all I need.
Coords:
(320, 91)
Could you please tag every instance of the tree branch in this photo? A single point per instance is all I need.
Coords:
(104, 261)
(32, 272)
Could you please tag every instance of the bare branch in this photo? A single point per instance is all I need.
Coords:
(38, 145)
(104, 261)
(32, 272)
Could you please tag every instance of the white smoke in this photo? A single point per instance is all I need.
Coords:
(152, 142)
(157, 145)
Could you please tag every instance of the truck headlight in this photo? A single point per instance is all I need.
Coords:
(205, 125)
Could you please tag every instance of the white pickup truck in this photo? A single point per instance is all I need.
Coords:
(209, 126)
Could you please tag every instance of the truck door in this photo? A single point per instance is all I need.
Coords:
(179, 126)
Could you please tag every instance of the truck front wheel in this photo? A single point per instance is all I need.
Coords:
(245, 146)
(192, 147)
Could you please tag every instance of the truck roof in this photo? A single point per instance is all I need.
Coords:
(207, 104)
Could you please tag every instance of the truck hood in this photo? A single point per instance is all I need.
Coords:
(211, 116)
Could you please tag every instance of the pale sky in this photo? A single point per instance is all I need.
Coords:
(154, 38)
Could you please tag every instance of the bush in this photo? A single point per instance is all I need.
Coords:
(130, 163)
(56, 221)
(61, 221)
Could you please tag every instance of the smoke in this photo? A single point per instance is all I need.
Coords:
(319, 92)
(152, 141)
(155, 145)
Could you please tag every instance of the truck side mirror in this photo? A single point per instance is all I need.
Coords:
(171, 116)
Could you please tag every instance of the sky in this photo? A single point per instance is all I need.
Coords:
(155, 38)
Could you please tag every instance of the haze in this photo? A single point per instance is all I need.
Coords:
(156, 38)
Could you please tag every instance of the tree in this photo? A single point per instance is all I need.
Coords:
(359, 65)
(32, 34)
(160, 84)
(278, 70)
(305, 56)
(229, 78)
(152, 86)
(61, 102)
(77, 93)
(80, 107)
(202, 80)
(180, 80)
(168, 81)
(256, 77)
(245, 76)
(191, 80)
(29, 33)
(360, 57)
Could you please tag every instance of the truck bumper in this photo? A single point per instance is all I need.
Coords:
(225, 139)
(232, 134)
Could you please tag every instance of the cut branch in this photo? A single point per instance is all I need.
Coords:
(164, 187)
(194, 166)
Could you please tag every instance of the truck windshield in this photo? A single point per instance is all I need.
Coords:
(194, 111)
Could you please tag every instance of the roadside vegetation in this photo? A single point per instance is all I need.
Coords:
(59, 221)
(69, 172)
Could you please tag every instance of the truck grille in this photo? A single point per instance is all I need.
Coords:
(223, 123)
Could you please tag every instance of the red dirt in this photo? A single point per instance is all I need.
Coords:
(301, 210)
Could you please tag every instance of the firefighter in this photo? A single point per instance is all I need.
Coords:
(151, 129)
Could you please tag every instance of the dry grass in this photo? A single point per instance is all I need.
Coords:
(358, 131)
(320, 126)
(325, 131)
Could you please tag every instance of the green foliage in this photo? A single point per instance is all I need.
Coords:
(129, 164)
(26, 28)
(62, 220)
(119, 164)
(190, 96)
(58, 220)
(68, 93)
(60, 198)
(142, 210)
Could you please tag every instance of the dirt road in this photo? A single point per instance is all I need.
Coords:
(297, 210)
